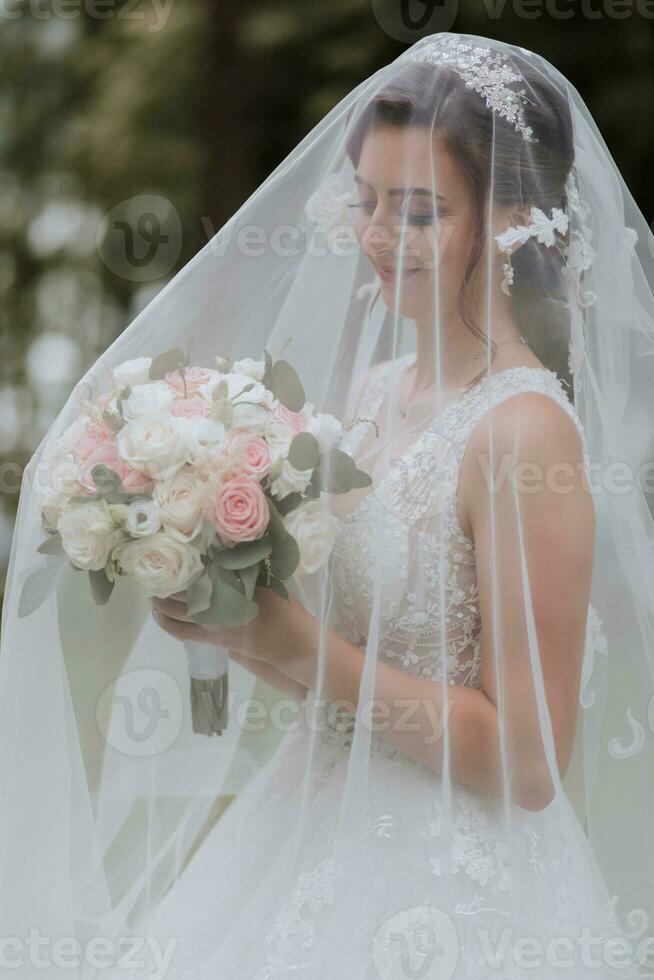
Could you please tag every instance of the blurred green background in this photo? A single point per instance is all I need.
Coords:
(194, 102)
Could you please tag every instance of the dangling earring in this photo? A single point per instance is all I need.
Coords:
(507, 272)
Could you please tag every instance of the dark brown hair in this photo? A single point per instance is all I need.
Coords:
(488, 148)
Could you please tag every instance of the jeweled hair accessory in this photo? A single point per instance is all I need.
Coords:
(540, 227)
(487, 72)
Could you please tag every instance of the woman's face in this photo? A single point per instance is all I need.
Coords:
(410, 190)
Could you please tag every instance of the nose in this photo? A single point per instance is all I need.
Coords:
(381, 233)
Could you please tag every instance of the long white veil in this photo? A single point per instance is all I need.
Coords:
(107, 792)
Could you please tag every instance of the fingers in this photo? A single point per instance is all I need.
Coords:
(173, 608)
(180, 629)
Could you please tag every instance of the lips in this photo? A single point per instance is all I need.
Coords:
(390, 273)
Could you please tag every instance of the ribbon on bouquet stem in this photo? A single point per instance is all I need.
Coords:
(209, 670)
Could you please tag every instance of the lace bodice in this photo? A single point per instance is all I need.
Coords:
(408, 528)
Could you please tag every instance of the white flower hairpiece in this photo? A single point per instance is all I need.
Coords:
(486, 71)
(539, 227)
(328, 208)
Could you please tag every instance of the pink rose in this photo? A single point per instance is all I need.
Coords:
(253, 453)
(189, 408)
(94, 437)
(239, 511)
(295, 421)
(195, 377)
(107, 455)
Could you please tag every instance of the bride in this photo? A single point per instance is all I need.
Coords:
(450, 771)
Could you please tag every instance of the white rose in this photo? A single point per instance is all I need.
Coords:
(326, 429)
(148, 399)
(247, 365)
(288, 479)
(279, 437)
(88, 535)
(181, 502)
(252, 408)
(142, 517)
(71, 436)
(222, 363)
(52, 507)
(64, 474)
(203, 436)
(134, 372)
(314, 528)
(161, 564)
(154, 445)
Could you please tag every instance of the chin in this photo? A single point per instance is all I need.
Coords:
(413, 303)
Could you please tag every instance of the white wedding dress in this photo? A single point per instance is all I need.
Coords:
(234, 913)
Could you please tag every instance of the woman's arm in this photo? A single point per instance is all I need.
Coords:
(557, 529)
(271, 675)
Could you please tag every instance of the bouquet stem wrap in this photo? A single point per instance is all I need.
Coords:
(208, 668)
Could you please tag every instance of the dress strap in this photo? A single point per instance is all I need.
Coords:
(467, 412)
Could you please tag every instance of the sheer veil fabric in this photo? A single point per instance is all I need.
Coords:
(457, 200)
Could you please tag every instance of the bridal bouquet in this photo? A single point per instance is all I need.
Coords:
(196, 479)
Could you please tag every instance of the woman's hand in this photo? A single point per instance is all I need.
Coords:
(275, 636)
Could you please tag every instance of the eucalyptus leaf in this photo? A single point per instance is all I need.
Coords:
(290, 502)
(37, 587)
(170, 360)
(106, 480)
(285, 385)
(337, 472)
(304, 451)
(101, 587)
(278, 586)
(229, 605)
(268, 366)
(285, 555)
(198, 594)
(242, 555)
(220, 391)
(248, 577)
(51, 546)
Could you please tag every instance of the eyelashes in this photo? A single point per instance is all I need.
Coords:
(412, 219)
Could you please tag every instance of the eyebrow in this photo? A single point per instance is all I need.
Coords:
(396, 191)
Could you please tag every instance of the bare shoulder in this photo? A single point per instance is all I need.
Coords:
(530, 430)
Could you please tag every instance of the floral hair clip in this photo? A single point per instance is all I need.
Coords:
(540, 227)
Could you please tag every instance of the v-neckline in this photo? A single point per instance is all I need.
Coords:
(436, 419)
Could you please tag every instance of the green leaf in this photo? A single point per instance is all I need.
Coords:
(106, 480)
(285, 555)
(170, 360)
(304, 451)
(278, 586)
(51, 546)
(337, 472)
(101, 587)
(248, 577)
(229, 605)
(290, 502)
(198, 593)
(220, 391)
(244, 554)
(285, 385)
(267, 374)
(37, 587)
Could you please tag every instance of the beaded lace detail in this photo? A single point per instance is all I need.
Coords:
(404, 539)
(487, 72)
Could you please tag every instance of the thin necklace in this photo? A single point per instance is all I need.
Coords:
(404, 410)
